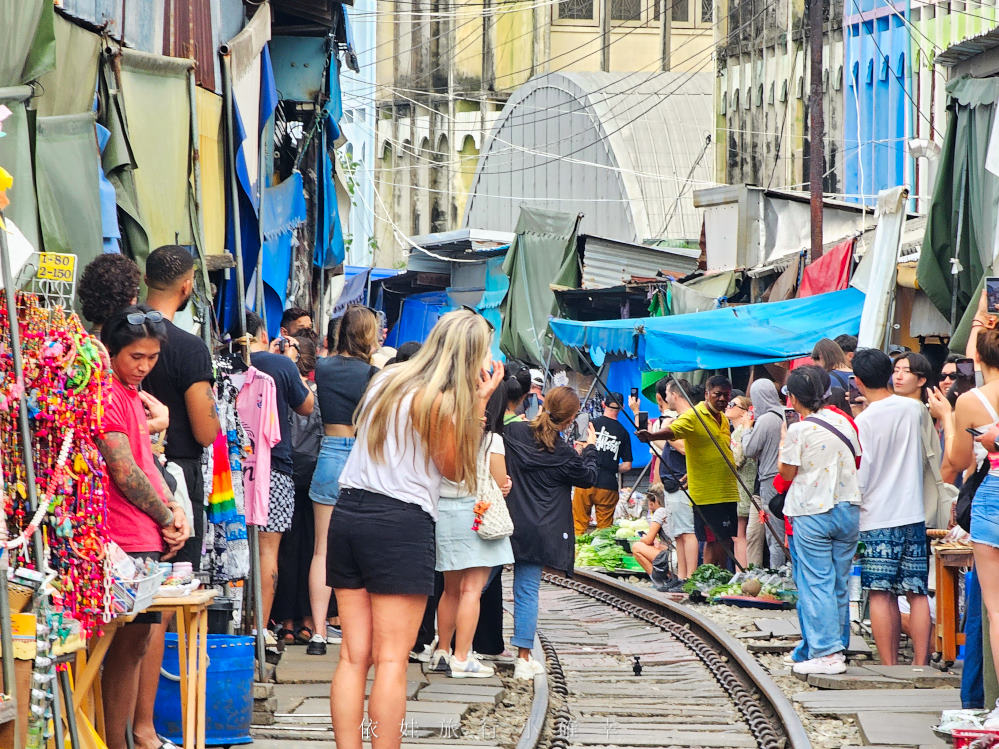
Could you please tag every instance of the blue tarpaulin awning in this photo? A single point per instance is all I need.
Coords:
(719, 338)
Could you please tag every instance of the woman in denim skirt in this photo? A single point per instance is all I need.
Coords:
(341, 380)
(466, 559)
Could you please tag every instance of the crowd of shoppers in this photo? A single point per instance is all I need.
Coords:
(367, 459)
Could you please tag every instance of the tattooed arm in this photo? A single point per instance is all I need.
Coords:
(202, 413)
(130, 479)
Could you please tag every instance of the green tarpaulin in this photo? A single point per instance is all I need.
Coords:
(28, 48)
(158, 113)
(66, 180)
(15, 157)
(119, 164)
(69, 88)
(544, 253)
(964, 208)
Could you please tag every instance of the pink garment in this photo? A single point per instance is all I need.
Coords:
(256, 405)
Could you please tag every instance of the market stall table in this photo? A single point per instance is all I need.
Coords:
(950, 561)
(192, 655)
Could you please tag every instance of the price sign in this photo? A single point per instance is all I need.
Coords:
(55, 266)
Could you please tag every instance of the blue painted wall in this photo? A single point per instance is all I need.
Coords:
(877, 74)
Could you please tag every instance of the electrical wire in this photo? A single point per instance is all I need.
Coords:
(708, 50)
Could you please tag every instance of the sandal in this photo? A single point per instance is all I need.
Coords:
(302, 635)
(285, 635)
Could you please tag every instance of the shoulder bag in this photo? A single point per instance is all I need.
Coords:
(776, 503)
(494, 521)
(938, 497)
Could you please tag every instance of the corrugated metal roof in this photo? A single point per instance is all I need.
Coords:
(957, 53)
(617, 147)
(608, 263)
(188, 32)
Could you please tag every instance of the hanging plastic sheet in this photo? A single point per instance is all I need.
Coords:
(70, 87)
(417, 316)
(158, 111)
(961, 222)
(330, 250)
(246, 51)
(211, 157)
(283, 212)
(66, 181)
(354, 291)
(109, 204)
(118, 162)
(878, 269)
(622, 375)
(544, 253)
(720, 338)
(15, 157)
(831, 272)
(684, 300)
(29, 45)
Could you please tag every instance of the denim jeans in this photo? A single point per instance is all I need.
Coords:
(972, 684)
(824, 546)
(526, 584)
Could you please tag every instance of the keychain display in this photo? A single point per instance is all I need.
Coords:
(66, 376)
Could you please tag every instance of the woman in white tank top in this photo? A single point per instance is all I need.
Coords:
(979, 409)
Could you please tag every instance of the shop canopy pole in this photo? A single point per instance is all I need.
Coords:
(252, 538)
(199, 222)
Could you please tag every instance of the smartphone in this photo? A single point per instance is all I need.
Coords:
(791, 416)
(992, 294)
(634, 392)
(853, 392)
(582, 425)
(974, 432)
(965, 368)
(643, 420)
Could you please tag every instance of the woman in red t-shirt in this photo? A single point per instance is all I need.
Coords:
(142, 517)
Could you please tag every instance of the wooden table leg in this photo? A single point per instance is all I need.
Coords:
(191, 719)
(939, 625)
(182, 671)
(202, 621)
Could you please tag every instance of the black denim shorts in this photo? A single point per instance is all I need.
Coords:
(380, 544)
(717, 522)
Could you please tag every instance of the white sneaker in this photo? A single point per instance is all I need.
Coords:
(527, 668)
(826, 664)
(992, 719)
(470, 669)
(421, 656)
(440, 661)
(334, 635)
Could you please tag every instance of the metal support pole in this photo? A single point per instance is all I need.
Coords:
(27, 454)
(241, 304)
(605, 35)
(816, 124)
(665, 31)
(199, 226)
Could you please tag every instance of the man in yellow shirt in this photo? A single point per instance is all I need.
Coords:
(710, 481)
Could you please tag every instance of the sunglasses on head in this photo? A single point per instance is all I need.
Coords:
(137, 318)
(479, 313)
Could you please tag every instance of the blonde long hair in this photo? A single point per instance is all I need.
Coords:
(447, 365)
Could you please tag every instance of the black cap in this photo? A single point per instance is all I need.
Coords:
(614, 400)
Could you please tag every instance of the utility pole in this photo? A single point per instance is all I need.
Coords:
(605, 29)
(816, 124)
(665, 24)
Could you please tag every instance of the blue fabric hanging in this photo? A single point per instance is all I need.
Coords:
(283, 211)
(109, 206)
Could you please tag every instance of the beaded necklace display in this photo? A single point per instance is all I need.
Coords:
(66, 377)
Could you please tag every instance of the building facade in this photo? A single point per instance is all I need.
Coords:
(444, 71)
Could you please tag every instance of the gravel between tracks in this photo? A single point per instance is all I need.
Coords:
(824, 733)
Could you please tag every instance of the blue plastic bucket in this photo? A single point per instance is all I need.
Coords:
(229, 702)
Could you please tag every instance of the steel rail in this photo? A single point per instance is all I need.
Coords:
(768, 712)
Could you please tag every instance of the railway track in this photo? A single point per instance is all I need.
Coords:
(628, 668)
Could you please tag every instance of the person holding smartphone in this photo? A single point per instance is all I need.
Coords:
(613, 445)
